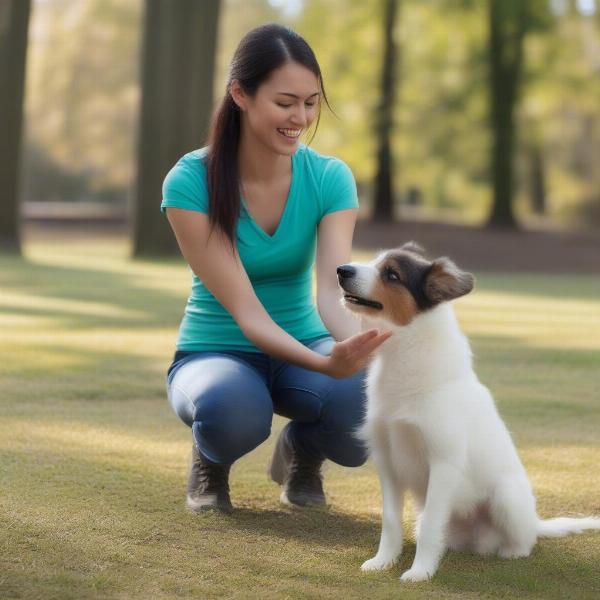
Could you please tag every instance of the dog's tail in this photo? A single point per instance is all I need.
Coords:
(566, 525)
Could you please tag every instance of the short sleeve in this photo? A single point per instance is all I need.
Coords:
(185, 186)
(338, 188)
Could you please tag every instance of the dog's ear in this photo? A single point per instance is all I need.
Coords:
(413, 247)
(445, 281)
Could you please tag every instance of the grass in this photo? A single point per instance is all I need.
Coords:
(94, 462)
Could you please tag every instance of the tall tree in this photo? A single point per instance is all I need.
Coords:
(537, 178)
(509, 21)
(178, 59)
(383, 205)
(14, 24)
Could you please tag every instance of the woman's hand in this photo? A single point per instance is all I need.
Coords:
(353, 354)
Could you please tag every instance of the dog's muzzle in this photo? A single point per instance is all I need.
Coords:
(345, 272)
(346, 278)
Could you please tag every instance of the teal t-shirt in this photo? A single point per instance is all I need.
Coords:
(280, 266)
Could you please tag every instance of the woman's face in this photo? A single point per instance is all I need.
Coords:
(283, 107)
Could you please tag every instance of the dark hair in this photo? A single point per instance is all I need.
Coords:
(260, 51)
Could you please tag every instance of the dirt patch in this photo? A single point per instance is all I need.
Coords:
(470, 247)
(490, 250)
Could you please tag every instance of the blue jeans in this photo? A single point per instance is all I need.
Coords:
(229, 397)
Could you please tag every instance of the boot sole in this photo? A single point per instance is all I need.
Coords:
(196, 507)
(283, 498)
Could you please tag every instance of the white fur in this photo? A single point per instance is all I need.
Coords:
(433, 429)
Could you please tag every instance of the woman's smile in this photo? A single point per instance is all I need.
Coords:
(291, 134)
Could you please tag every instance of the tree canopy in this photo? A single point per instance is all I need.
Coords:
(83, 97)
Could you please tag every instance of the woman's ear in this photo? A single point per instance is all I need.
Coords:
(237, 94)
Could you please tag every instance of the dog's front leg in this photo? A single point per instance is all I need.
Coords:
(444, 480)
(390, 544)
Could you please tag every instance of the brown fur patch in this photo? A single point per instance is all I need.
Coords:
(447, 282)
(399, 306)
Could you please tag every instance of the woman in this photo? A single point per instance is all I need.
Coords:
(249, 211)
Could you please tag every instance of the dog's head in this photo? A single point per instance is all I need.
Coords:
(400, 284)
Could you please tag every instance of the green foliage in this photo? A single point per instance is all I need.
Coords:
(82, 94)
(83, 88)
(351, 74)
(560, 110)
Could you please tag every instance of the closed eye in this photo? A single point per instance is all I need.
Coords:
(307, 104)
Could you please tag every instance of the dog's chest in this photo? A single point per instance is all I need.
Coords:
(397, 381)
(401, 445)
(408, 453)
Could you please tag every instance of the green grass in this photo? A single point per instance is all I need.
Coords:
(93, 462)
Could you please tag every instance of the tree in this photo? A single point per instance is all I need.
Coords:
(383, 209)
(537, 178)
(509, 22)
(178, 58)
(14, 24)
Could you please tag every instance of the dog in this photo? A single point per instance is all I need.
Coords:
(431, 427)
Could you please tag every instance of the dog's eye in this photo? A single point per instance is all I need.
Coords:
(392, 275)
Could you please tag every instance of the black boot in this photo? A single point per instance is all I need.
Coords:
(299, 474)
(208, 485)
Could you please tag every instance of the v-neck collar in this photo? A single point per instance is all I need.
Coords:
(286, 208)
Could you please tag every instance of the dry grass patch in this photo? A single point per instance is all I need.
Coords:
(94, 462)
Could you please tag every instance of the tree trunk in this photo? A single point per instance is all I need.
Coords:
(178, 57)
(507, 20)
(14, 24)
(538, 180)
(384, 179)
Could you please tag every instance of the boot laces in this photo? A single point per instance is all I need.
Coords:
(212, 477)
(305, 475)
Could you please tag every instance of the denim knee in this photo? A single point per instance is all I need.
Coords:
(343, 414)
(355, 454)
(223, 441)
(334, 435)
(344, 409)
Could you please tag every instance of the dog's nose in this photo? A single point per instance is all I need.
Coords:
(346, 271)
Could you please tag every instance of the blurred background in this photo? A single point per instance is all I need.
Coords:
(471, 126)
(471, 112)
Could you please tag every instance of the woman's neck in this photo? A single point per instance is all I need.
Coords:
(259, 164)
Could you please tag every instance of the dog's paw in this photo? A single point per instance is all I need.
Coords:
(510, 552)
(415, 574)
(378, 563)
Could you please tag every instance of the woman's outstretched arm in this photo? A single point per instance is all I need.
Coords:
(334, 247)
(222, 272)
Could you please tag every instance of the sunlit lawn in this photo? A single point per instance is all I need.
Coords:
(93, 462)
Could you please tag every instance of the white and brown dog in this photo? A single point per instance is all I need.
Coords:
(431, 427)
